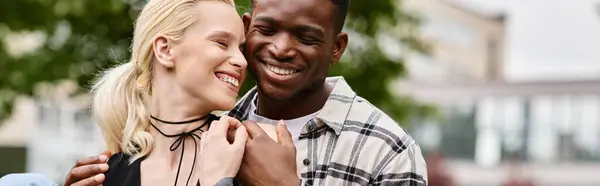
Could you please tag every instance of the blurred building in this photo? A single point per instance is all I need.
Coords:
(48, 135)
(553, 127)
(465, 46)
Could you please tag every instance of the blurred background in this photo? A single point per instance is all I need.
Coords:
(496, 92)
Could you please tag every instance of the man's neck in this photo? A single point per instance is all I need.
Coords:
(296, 107)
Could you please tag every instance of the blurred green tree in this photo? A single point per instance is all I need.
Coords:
(77, 39)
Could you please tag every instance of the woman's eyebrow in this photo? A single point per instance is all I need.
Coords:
(221, 34)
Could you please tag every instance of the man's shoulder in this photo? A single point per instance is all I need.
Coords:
(372, 142)
(365, 120)
(368, 115)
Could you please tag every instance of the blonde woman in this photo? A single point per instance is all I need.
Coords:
(155, 109)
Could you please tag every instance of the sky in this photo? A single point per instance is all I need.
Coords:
(548, 39)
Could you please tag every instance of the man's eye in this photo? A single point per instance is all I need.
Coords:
(265, 30)
(308, 40)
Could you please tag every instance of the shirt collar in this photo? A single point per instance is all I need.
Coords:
(338, 104)
(242, 107)
(333, 114)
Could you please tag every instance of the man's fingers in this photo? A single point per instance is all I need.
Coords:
(253, 129)
(91, 181)
(107, 153)
(284, 137)
(87, 171)
(88, 167)
(240, 137)
(102, 158)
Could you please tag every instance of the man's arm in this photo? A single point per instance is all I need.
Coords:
(407, 168)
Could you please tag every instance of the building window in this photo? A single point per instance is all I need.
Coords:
(49, 118)
(458, 131)
(84, 125)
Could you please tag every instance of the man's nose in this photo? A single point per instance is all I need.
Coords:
(283, 47)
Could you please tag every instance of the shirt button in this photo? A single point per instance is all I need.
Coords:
(306, 162)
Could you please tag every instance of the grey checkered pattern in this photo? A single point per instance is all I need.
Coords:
(351, 142)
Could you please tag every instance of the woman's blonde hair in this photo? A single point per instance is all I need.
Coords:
(121, 93)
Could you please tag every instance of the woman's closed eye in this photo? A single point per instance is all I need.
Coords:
(222, 44)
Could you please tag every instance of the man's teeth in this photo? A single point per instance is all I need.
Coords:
(230, 80)
(280, 71)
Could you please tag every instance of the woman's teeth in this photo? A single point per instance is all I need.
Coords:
(230, 80)
(280, 71)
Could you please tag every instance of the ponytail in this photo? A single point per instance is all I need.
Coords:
(118, 108)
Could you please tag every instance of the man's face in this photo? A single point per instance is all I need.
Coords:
(291, 44)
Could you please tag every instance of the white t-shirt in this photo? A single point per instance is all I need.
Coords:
(294, 125)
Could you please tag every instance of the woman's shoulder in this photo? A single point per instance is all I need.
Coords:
(120, 161)
(121, 172)
(119, 157)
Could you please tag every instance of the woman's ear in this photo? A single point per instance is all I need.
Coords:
(163, 51)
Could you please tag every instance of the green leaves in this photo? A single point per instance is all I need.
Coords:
(80, 38)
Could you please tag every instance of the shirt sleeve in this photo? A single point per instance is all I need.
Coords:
(407, 168)
(226, 182)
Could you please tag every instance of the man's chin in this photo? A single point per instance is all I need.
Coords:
(276, 94)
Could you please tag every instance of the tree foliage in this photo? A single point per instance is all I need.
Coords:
(80, 38)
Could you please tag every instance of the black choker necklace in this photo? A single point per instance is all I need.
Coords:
(181, 139)
(179, 122)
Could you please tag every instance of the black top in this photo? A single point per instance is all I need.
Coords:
(121, 173)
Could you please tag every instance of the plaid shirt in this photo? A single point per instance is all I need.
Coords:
(351, 142)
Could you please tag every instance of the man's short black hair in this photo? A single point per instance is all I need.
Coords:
(342, 11)
(342, 6)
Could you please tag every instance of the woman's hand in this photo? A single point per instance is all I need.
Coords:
(218, 157)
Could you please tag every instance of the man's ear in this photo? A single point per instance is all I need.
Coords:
(162, 51)
(341, 41)
(246, 18)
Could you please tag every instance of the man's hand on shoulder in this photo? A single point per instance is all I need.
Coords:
(88, 171)
(267, 162)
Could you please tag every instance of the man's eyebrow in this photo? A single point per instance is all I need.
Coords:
(301, 28)
(266, 19)
(313, 29)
